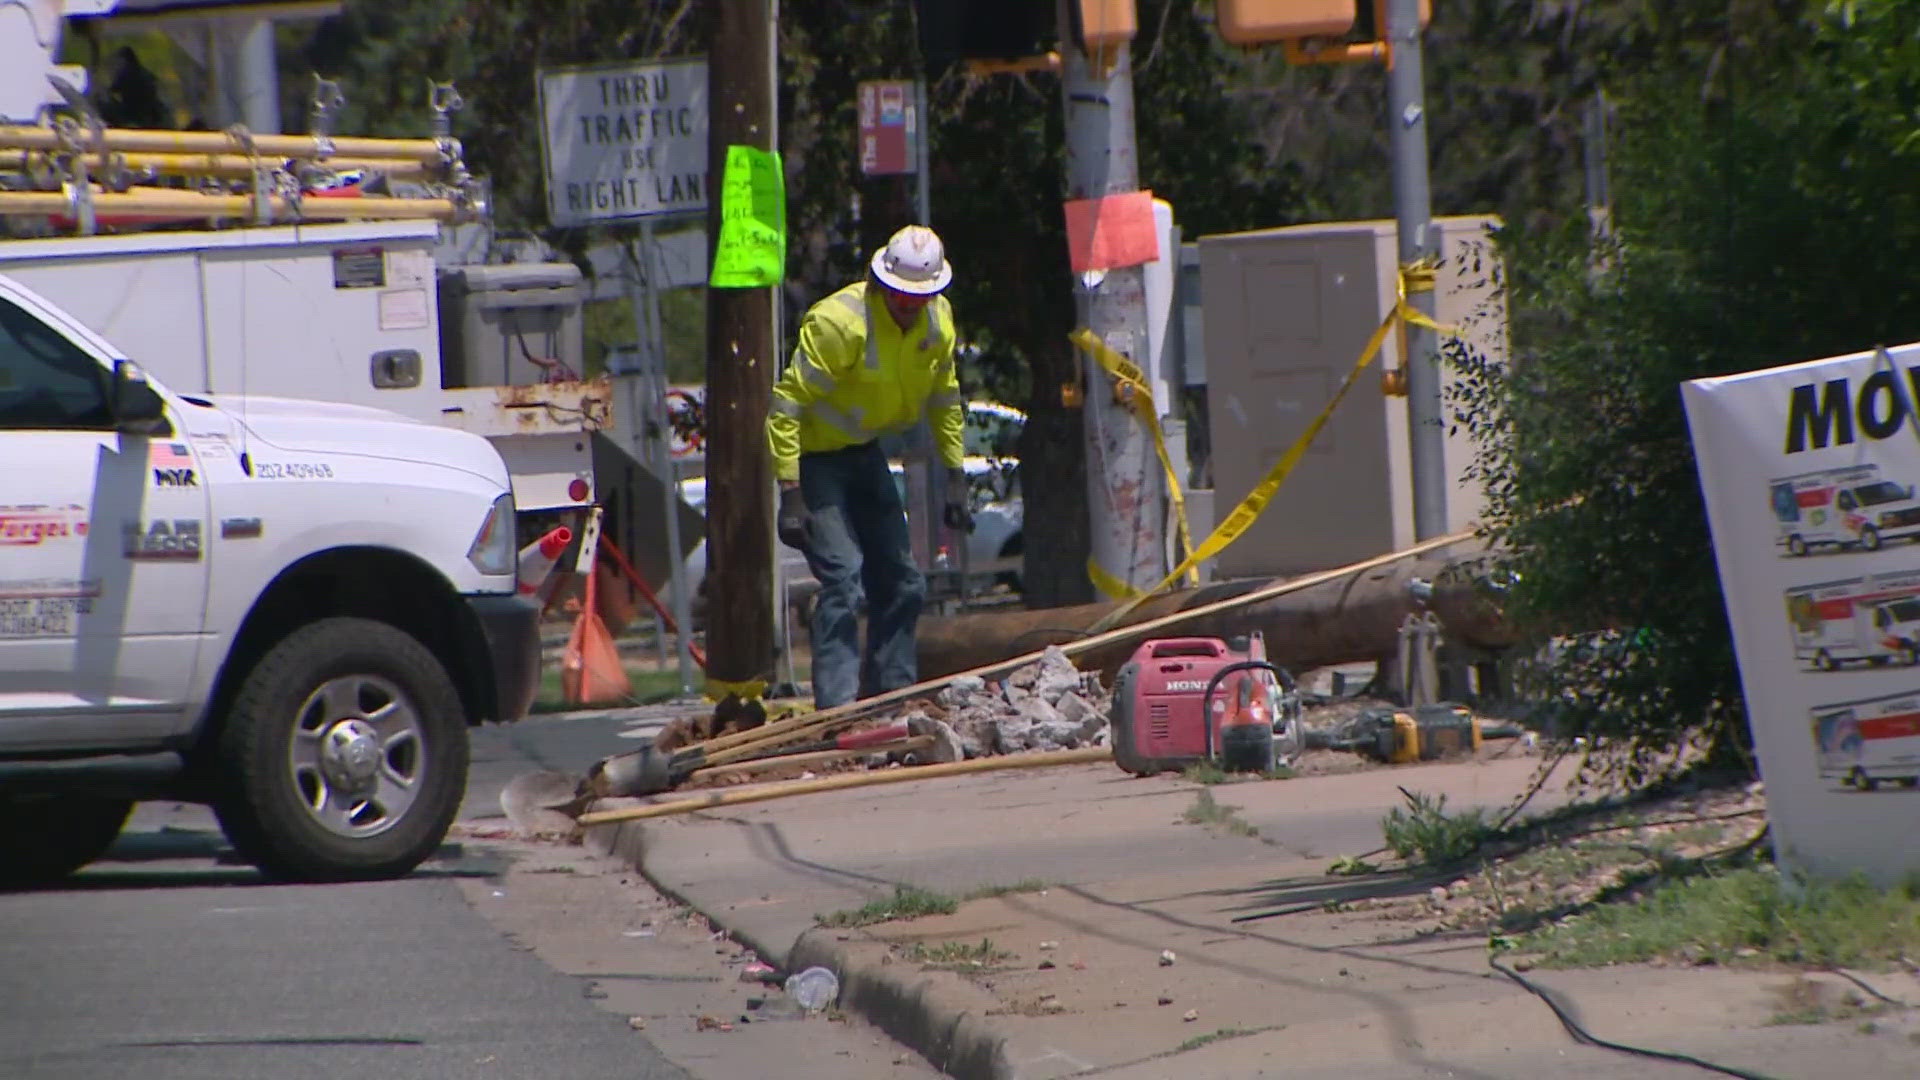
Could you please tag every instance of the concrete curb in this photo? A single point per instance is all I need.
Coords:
(935, 1020)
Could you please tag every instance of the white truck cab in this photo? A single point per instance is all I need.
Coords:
(290, 611)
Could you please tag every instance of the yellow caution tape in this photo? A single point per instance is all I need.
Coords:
(1139, 398)
(750, 690)
(1418, 277)
(1110, 587)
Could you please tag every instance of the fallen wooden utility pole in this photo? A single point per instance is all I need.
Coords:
(851, 780)
(617, 775)
(1356, 615)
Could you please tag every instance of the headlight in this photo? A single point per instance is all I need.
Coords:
(493, 553)
(1889, 519)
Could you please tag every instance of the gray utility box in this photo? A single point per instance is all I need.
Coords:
(1287, 312)
(511, 325)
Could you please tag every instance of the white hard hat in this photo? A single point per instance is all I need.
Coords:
(914, 261)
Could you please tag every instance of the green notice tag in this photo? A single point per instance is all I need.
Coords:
(752, 252)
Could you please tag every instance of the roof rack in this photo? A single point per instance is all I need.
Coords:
(79, 175)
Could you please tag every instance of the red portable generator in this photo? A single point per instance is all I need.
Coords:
(1179, 701)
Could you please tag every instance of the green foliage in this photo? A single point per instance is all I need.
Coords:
(907, 902)
(1746, 916)
(1762, 216)
(1425, 834)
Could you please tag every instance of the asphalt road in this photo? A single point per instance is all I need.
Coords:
(166, 960)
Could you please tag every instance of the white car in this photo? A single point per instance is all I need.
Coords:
(288, 610)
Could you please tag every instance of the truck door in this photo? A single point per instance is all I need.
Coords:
(102, 577)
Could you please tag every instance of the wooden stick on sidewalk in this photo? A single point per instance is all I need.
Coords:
(818, 757)
(850, 780)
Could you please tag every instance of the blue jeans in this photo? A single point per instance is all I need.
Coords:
(858, 546)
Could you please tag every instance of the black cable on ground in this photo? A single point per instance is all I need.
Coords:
(1581, 1034)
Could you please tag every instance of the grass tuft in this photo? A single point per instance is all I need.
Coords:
(988, 892)
(1205, 811)
(907, 902)
(956, 954)
(1425, 834)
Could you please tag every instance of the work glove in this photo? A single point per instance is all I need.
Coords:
(793, 518)
(958, 514)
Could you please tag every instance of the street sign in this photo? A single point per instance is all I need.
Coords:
(624, 141)
(889, 128)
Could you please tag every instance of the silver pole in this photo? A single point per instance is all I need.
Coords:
(256, 79)
(922, 131)
(1413, 206)
(1126, 492)
(656, 378)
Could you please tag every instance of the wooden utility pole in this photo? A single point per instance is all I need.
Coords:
(740, 368)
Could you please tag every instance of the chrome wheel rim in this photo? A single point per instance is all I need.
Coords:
(358, 759)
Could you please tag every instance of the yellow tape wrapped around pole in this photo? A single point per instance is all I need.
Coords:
(1139, 398)
(1417, 277)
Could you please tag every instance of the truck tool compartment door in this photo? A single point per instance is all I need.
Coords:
(102, 571)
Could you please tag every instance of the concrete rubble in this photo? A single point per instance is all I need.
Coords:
(1046, 705)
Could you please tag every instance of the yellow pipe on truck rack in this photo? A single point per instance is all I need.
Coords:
(189, 205)
(227, 166)
(153, 141)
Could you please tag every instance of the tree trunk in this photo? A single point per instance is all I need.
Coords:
(1353, 618)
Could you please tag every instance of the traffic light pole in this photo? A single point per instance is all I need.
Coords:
(1413, 207)
(1126, 491)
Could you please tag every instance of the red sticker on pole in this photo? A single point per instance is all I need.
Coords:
(1111, 232)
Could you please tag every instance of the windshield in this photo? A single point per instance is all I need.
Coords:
(1903, 610)
(1884, 491)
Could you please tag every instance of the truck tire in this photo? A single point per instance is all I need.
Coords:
(344, 756)
(44, 838)
(1869, 538)
(1796, 546)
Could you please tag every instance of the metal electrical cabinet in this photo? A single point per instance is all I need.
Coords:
(1287, 312)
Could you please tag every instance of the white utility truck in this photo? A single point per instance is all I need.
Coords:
(288, 610)
(1843, 507)
(1864, 744)
(1876, 619)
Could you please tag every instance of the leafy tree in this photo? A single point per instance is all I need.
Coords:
(1763, 217)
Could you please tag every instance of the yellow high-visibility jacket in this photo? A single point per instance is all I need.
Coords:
(856, 376)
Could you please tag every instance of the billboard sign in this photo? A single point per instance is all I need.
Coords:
(624, 141)
(1809, 474)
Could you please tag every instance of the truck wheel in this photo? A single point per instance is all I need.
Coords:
(1825, 662)
(1870, 538)
(1796, 546)
(44, 838)
(344, 756)
(1908, 654)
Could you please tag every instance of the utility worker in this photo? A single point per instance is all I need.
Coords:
(873, 359)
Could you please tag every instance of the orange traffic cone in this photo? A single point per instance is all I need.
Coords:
(590, 668)
(537, 559)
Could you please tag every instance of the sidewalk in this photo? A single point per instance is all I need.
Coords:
(1294, 990)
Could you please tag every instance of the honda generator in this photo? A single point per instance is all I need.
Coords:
(1181, 701)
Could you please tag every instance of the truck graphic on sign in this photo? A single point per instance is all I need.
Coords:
(1875, 619)
(1864, 744)
(1849, 507)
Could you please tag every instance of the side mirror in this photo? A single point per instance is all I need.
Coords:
(137, 407)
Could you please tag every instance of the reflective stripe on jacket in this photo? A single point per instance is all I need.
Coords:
(856, 376)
